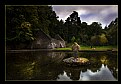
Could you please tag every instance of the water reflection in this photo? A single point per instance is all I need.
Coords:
(33, 65)
(102, 74)
(49, 66)
(64, 77)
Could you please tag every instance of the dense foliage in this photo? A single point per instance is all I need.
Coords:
(22, 23)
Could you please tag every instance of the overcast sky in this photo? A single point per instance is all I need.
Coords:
(88, 13)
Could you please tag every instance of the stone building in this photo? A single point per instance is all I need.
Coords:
(44, 41)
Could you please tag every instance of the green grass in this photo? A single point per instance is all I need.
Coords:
(63, 49)
(89, 48)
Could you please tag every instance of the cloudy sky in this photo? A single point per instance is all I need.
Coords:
(88, 13)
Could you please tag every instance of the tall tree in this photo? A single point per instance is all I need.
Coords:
(53, 26)
(112, 32)
(38, 16)
(72, 24)
(95, 28)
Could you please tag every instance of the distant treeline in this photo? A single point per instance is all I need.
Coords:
(22, 23)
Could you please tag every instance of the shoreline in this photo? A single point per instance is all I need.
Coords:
(53, 50)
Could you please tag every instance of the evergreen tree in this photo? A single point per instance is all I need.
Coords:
(112, 32)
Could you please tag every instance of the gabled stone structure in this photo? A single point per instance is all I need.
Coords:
(58, 42)
(44, 41)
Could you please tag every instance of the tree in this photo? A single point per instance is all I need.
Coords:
(53, 26)
(95, 40)
(22, 22)
(84, 33)
(74, 18)
(112, 32)
(45, 14)
(103, 39)
(99, 40)
(95, 28)
(73, 39)
(60, 29)
(72, 26)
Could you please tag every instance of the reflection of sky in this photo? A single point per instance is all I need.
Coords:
(102, 74)
(64, 77)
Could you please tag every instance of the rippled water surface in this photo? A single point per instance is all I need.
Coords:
(36, 65)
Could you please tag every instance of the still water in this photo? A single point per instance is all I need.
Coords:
(44, 66)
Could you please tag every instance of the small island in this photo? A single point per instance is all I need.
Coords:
(76, 61)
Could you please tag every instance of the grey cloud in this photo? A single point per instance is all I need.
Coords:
(110, 17)
(101, 13)
(96, 8)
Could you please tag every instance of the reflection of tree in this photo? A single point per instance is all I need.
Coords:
(27, 71)
(34, 66)
(104, 59)
(112, 63)
(114, 71)
(48, 66)
(95, 67)
(19, 66)
(74, 72)
(95, 63)
(96, 60)
(49, 72)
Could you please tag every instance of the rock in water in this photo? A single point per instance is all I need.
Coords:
(76, 61)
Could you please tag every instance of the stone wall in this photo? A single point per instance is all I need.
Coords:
(47, 44)
(58, 43)
(40, 44)
(43, 41)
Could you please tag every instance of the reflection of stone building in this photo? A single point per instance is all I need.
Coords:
(48, 65)
(45, 58)
(43, 41)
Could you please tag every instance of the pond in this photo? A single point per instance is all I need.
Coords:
(44, 66)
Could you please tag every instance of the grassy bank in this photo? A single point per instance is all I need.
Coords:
(93, 48)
